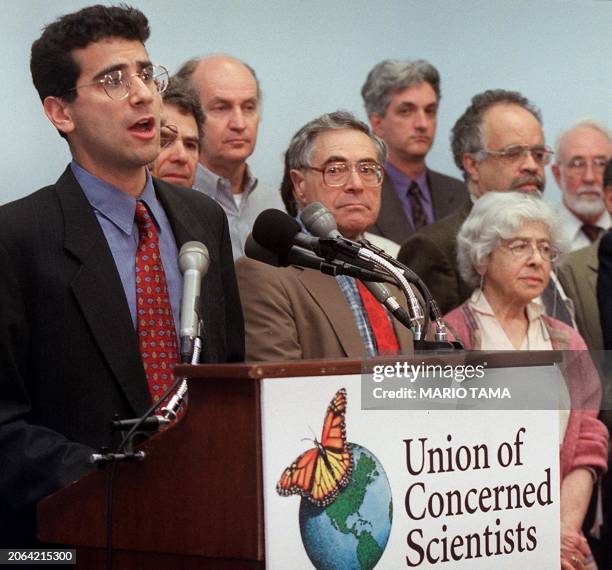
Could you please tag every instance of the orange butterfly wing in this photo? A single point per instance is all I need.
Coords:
(323, 471)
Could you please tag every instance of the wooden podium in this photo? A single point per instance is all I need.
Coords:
(196, 501)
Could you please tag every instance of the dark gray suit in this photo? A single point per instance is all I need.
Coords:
(447, 194)
(69, 356)
(432, 254)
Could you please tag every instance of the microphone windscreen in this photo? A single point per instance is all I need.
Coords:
(255, 251)
(194, 255)
(275, 231)
(319, 221)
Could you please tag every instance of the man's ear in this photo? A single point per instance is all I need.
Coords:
(297, 179)
(375, 120)
(470, 165)
(59, 113)
(556, 170)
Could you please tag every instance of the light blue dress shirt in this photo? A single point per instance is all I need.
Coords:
(115, 212)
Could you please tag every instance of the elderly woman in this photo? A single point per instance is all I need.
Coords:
(505, 250)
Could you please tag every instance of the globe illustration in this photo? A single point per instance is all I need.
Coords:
(353, 531)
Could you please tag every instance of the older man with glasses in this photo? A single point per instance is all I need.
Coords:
(499, 145)
(581, 155)
(90, 285)
(293, 313)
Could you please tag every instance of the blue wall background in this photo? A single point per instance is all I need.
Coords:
(313, 56)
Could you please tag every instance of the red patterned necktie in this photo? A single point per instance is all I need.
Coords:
(386, 340)
(155, 324)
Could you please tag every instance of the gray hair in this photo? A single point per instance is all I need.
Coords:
(393, 75)
(302, 146)
(498, 215)
(188, 68)
(467, 135)
(583, 124)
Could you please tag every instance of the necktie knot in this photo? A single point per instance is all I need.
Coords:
(146, 229)
(591, 231)
(415, 190)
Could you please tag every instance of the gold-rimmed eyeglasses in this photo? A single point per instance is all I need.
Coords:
(336, 174)
(117, 83)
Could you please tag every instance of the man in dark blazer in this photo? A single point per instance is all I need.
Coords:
(604, 278)
(498, 142)
(69, 353)
(401, 99)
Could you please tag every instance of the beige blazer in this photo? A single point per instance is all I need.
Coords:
(293, 313)
(578, 275)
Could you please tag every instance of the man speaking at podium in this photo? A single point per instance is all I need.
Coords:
(73, 259)
(293, 313)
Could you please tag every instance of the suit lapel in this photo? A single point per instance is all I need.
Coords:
(99, 293)
(391, 222)
(441, 197)
(592, 264)
(184, 224)
(327, 294)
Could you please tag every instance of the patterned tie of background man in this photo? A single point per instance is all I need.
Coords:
(419, 217)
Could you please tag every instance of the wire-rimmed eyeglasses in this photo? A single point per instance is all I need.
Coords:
(541, 154)
(523, 249)
(117, 83)
(337, 174)
(578, 164)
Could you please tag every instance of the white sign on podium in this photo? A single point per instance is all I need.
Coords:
(460, 489)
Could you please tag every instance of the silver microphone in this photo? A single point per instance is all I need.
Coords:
(193, 263)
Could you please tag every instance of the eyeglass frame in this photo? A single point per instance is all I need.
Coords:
(504, 153)
(555, 253)
(353, 164)
(127, 83)
(175, 133)
(581, 168)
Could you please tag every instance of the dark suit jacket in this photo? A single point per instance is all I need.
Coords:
(447, 195)
(69, 356)
(292, 313)
(604, 288)
(432, 254)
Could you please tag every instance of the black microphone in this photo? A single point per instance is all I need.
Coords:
(306, 258)
(321, 222)
(193, 263)
(278, 232)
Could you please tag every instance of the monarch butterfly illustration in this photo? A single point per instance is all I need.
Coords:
(320, 473)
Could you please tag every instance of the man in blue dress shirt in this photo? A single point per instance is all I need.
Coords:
(69, 353)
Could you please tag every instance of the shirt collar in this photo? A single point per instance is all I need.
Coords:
(401, 180)
(479, 303)
(573, 225)
(114, 204)
(206, 178)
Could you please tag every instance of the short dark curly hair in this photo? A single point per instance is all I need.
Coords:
(183, 95)
(54, 70)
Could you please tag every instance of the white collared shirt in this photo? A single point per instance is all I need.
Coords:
(572, 226)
